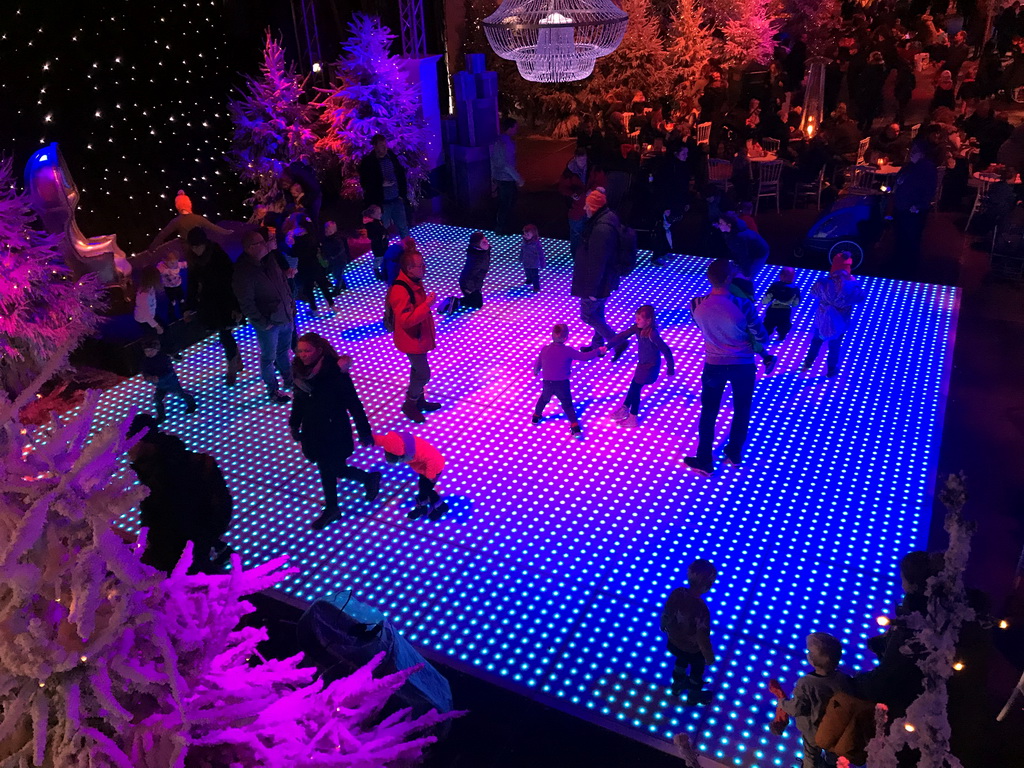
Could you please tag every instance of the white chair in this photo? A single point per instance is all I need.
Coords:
(703, 133)
(810, 189)
(769, 178)
(720, 173)
(862, 177)
(862, 150)
(772, 146)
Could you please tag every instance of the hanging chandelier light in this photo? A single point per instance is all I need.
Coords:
(555, 41)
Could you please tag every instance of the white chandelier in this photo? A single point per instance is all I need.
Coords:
(555, 41)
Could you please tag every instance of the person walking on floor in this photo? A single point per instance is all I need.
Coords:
(378, 235)
(731, 330)
(650, 348)
(409, 309)
(158, 369)
(426, 461)
(474, 271)
(210, 294)
(555, 364)
(836, 297)
(686, 620)
(383, 179)
(261, 286)
(531, 256)
(595, 274)
(505, 179)
(301, 241)
(324, 406)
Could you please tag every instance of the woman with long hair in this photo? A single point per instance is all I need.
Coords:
(650, 348)
(321, 421)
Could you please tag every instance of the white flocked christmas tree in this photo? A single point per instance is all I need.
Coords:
(43, 308)
(371, 94)
(272, 121)
(105, 661)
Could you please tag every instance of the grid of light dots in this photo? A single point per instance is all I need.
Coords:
(172, 62)
(552, 567)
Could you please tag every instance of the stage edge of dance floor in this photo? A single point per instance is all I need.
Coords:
(550, 571)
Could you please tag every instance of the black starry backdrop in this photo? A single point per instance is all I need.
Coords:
(135, 93)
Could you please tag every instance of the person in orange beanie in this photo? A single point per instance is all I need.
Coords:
(425, 460)
(185, 222)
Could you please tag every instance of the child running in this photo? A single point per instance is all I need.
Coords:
(650, 348)
(531, 254)
(781, 297)
(555, 362)
(837, 295)
(158, 369)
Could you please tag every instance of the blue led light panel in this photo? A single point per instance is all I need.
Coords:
(551, 569)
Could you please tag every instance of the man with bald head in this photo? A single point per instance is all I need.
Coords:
(261, 286)
(410, 305)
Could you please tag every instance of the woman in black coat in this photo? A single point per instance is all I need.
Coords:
(325, 401)
(211, 296)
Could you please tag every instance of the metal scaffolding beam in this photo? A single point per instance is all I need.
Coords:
(307, 35)
(413, 29)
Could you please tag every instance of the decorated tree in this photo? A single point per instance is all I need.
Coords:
(639, 64)
(43, 308)
(690, 46)
(925, 727)
(371, 94)
(820, 20)
(272, 121)
(105, 661)
(750, 33)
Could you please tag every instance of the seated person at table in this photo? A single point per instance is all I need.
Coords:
(889, 144)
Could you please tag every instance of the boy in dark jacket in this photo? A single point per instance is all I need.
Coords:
(781, 297)
(158, 369)
(686, 620)
(334, 248)
(478, 262)
(555, 362)
(378, 235)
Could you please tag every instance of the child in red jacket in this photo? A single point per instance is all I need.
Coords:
(426, 461)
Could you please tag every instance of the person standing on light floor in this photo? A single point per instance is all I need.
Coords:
(650, 348)
(410, 305)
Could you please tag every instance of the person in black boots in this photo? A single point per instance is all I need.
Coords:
(324, 405)
(911, 201)
(409, 318)
(210, 295)
(474, 272)
(301, 241)
(595, 273)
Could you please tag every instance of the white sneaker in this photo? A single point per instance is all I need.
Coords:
(630, 421)
(620, 413)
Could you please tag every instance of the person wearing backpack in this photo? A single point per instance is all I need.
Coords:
(597, 267)
(408, 316)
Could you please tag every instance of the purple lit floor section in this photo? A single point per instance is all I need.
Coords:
(552, 567)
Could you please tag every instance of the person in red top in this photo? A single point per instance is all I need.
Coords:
(414, 331)
(426, 461)
(578, 179)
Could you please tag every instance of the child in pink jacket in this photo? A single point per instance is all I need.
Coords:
(425, 460)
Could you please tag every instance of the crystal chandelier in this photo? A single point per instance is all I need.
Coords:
(555, 41)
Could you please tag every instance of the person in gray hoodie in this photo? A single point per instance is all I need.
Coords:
(732, 330)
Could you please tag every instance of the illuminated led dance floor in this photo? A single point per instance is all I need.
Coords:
(551, 569)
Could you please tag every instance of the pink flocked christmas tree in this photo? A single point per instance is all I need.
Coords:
(105, 661)
(750, 33)
(44, 310)
(371, 94)
(272, 121)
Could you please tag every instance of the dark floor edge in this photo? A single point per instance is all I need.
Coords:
(931, 529)
(530, 694)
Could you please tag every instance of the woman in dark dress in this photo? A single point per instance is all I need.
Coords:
(322, 412)
(211, 296)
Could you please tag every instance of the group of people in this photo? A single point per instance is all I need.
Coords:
(831, 709)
